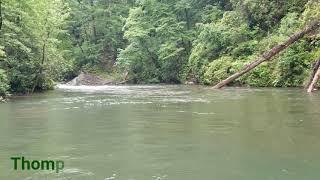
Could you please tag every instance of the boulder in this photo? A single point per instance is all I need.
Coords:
(87, 79)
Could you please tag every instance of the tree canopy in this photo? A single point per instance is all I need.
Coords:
(204, 41)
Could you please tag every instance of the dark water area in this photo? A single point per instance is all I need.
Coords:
(164, 132)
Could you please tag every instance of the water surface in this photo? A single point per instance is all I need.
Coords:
(164, 132)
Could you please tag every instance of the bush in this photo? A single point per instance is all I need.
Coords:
(292, 67)
(218, 70)
(4, 86)
(261, 76)
(218, 39)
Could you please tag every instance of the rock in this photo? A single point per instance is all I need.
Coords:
(87, 79)
(189, 83)
(2, 100)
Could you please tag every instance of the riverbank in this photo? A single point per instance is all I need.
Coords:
(91, 81)
(2, 99)
(97, 79)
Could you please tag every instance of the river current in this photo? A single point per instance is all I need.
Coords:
(164, 132)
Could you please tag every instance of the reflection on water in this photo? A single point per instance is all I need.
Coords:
(164, 132)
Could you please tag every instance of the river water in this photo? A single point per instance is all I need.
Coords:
(164, 132)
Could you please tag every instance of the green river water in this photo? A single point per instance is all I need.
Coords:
(164, 133)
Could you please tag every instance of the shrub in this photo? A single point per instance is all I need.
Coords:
(4, 86)
(218, 70)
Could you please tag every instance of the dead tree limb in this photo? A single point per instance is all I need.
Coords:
(270, 54)
(315, 78)
(314, 82)
(315, 68)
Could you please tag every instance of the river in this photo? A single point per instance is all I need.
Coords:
(164, 133)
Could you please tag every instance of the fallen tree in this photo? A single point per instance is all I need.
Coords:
(314, 77)
(315, 68)
(271, 53)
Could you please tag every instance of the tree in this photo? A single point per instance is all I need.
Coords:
(269, 54)
(158, 43)
(96, 29)
(49, 22)
(28, 52)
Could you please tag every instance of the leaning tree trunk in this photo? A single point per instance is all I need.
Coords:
(271, 53)
(315, 79)
(315, 68)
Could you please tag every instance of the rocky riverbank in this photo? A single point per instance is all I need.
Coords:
(88, 79)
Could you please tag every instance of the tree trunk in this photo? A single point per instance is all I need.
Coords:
(314, 81)
(43, 58)
(315, 68)
(269, 54)
(188, 20)
(94, 29)
(41, 68)
(1, 19)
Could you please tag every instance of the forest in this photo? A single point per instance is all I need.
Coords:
(156, 41)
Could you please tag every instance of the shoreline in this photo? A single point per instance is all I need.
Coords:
(62, 85)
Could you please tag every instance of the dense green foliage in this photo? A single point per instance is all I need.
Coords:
(31, 39)
(153, 41)
(96, 32)
(157, 43)
(3, 83)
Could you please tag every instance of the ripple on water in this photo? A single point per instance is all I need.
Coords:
(70, 173)
(118, 95)
(142, 90)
